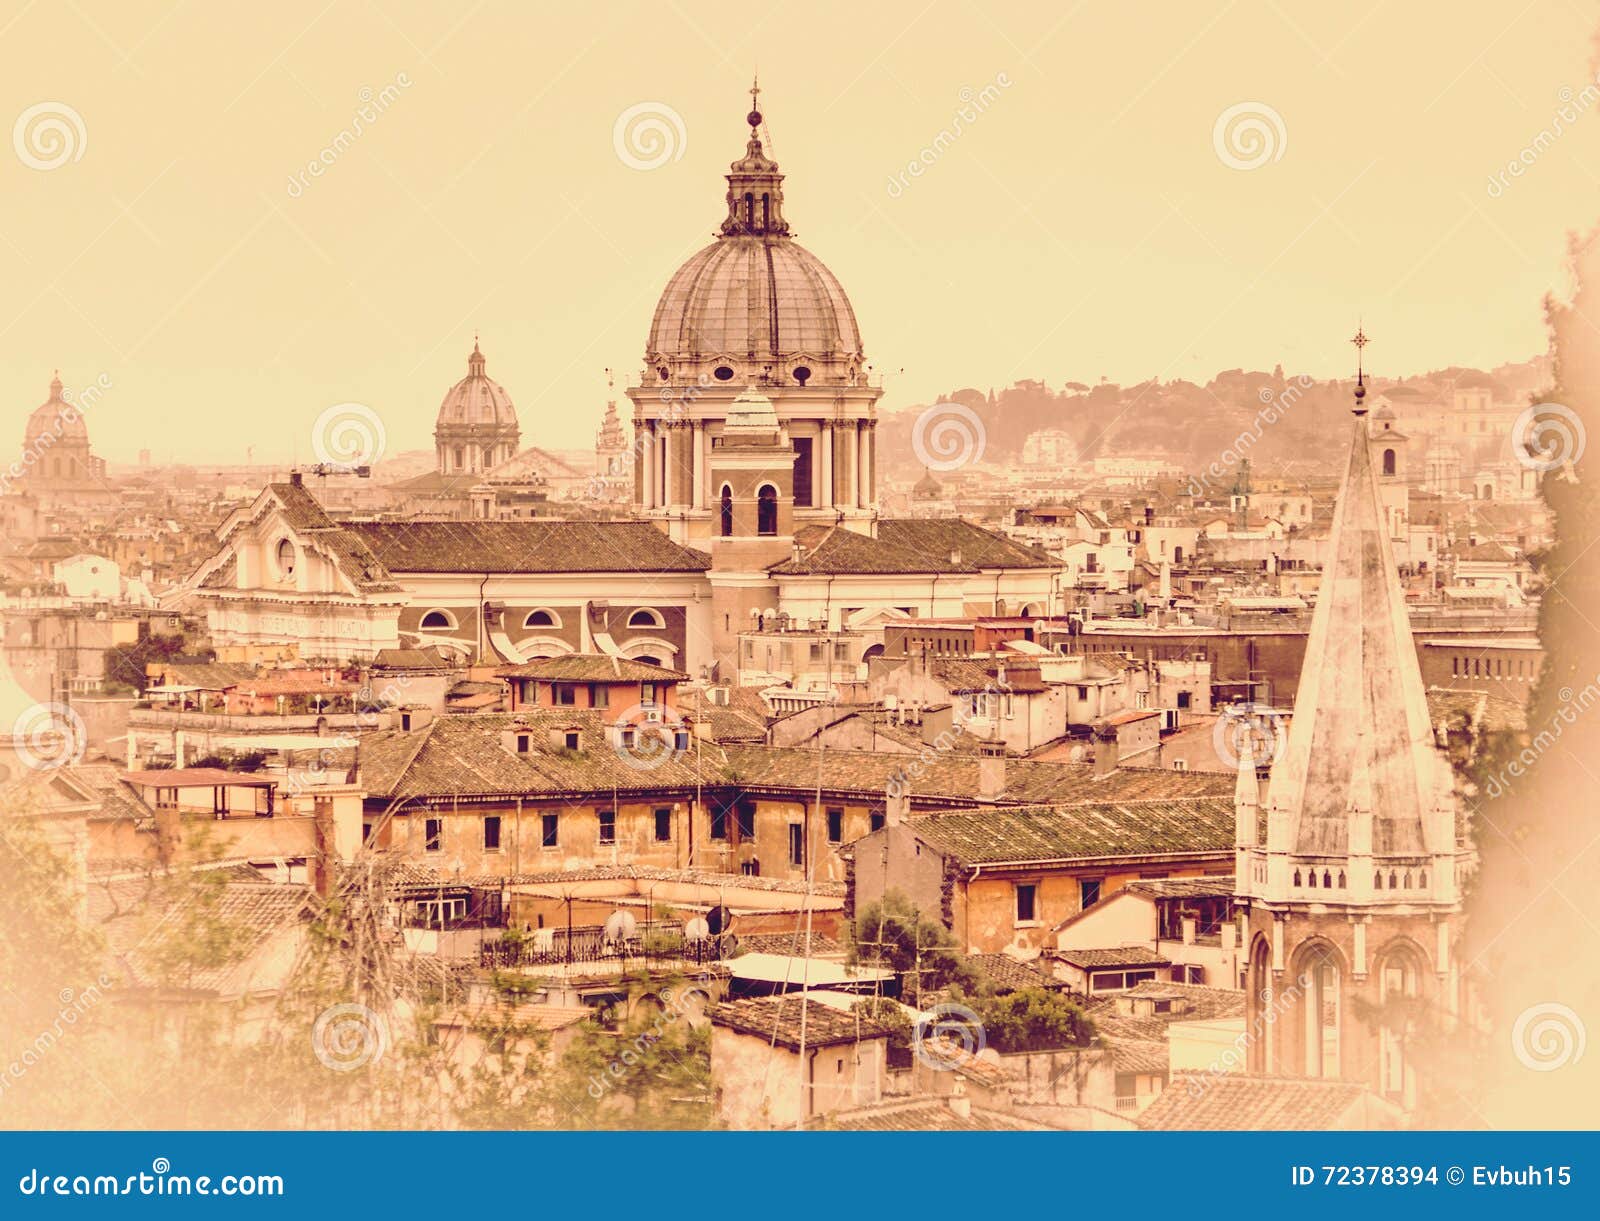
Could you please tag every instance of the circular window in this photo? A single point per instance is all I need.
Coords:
(723, 373)
(285, 556)
(802, 375)
(662, 372)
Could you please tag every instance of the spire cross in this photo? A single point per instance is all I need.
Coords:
(1360, 341)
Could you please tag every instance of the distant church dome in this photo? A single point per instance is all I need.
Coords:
(755, 304)
(477, 425)
(927, 488)
(477, 398)
(57, 419)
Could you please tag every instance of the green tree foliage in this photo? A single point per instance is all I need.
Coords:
(125, 664)
(1033, 1019)
(893, 934)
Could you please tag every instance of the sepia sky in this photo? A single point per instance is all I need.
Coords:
(1083, 224)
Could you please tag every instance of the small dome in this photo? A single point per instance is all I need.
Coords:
(751, 412)
(927, 488)
(56, 418)
(477, 399)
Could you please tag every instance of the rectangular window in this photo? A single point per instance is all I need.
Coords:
(608, 826)
(875, 820)
(1183, 699)
(802, 472)
(647, 694)
(599, 695)
(432, 834)
(1027, 896)
(719, 821)
(835, 826)
(797, 844)
(746, 812)
(523, 743)
(572, 739)
(566, 694)
(491, 833)
(550, 831)
(663, 825)
(1088, 892)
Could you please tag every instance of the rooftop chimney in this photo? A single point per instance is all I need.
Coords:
(1105, 749)
(991, 771)
(896, 802)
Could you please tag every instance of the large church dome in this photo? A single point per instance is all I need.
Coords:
(755, 305)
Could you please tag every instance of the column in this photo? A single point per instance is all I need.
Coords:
(697, 439)
(647, 463)
(862, 474)
(824, 473)
(669, 481)
(871, 500)
(639, 465)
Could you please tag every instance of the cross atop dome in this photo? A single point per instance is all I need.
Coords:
(755, 187)
(1360, 340)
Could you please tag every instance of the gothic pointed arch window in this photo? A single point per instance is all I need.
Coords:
(1319, 1012)
(725, 512)
(767, 510)
(1400, 970)
(1259, 1052)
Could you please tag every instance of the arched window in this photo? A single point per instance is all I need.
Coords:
(285, 557)
(460, 456)
(645, 617)
(1259, 1052)
(1399, 973)
(725, 512)
(1319, 1010)
(1388, 462)
(1177, 555)
(1377, 880)
(542, 618)
(488, 456)
(750, 211)
(767, 510)
(438, 621)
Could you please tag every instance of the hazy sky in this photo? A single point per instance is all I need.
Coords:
(1083, 225)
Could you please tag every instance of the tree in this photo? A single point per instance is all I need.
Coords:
(892, 933)
(1033, 1019)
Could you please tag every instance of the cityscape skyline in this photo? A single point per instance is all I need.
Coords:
(194, 287)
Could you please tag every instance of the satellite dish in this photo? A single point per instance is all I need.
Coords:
(620, 926)
(719, 920)
(696, 929)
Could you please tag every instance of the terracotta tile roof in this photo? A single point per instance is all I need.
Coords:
(1217, 886)
(1089, 831)
(777, 1019)
(593, 667)
(1007, 974)
(1237, 1102)
(936, 537)
(819, 945)
(954, 777)
(1192, 1002)
(1115, 956)
(526, 546)
(207, 675)
(1146, 1056)
(962, 675)
(836, 550)
(411, 659)
(464, 756)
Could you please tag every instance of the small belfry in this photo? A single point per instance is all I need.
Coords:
(1354, 895)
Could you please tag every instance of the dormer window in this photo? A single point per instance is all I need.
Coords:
(572, 739)
(524, 743)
